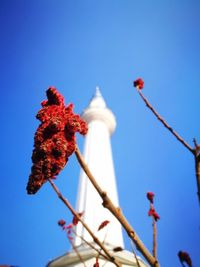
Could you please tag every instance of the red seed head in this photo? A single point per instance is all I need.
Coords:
(150, 196)
(61, 222)
(139, 83)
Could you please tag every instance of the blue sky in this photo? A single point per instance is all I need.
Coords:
(75, 46)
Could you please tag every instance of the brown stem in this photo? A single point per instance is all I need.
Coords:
(96, 240)
(154, 239)
(78, 254)
(180, 139)
(197, 165)
(90, 245)
(197, 172)
(194, 151)
(195, 144)
(154, 233)
(137, 261)
(107, 203)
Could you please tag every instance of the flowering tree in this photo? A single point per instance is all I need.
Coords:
(54, 143)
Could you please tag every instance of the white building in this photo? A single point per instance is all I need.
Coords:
(98, 156)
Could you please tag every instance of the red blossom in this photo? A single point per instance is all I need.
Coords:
(75, 219)
(139, 83)
(69, 231)
(103, 224)
(61, 223)
(185, 257)
(150, 196)
(54, 139)
(154, 214)
(69, 226)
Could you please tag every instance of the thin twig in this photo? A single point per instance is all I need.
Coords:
(180, 139)
(76, 250)
(107, 203)
(197, 165)
(154, 233)
(194, 151)
(137, 261)
(196, 144)
(90, 245)
(96, 240)
(197, 172)
(154, 238)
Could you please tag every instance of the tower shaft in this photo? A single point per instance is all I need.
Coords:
(98, 156)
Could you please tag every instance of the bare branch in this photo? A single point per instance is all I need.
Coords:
(90, 245)
(137, 261)
(175, 134)
(197, 172)
(194, 151)
(154, 238)
(107, 203)
(76, 250)
(197, 165)
(96, 240)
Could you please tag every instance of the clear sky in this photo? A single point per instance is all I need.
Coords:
(75, 46)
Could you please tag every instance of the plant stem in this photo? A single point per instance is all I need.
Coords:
(107, 203)
(90, 245)
(137, 261)
(194, 151)
(178, 137)
(197, 172)
(154, 239)
(78, 254)
(96, 240)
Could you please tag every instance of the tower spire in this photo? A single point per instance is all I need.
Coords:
(98, 156)
(98, 93)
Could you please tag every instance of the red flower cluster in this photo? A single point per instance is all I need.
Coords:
(75, 219)
(185, 257)
(54, 139)
(150, 196)
(139, 83)
(69, 227)
(61, 223)
(154, 214)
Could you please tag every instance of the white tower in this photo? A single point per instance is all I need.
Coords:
(98, 156)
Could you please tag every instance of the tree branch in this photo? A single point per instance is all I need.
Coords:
(197, 165)
(107, 203)
(137, 261)
(90, 245)
(154, 238)
(76, 250)
(175, 134)
(194, 151)
(96, 240)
